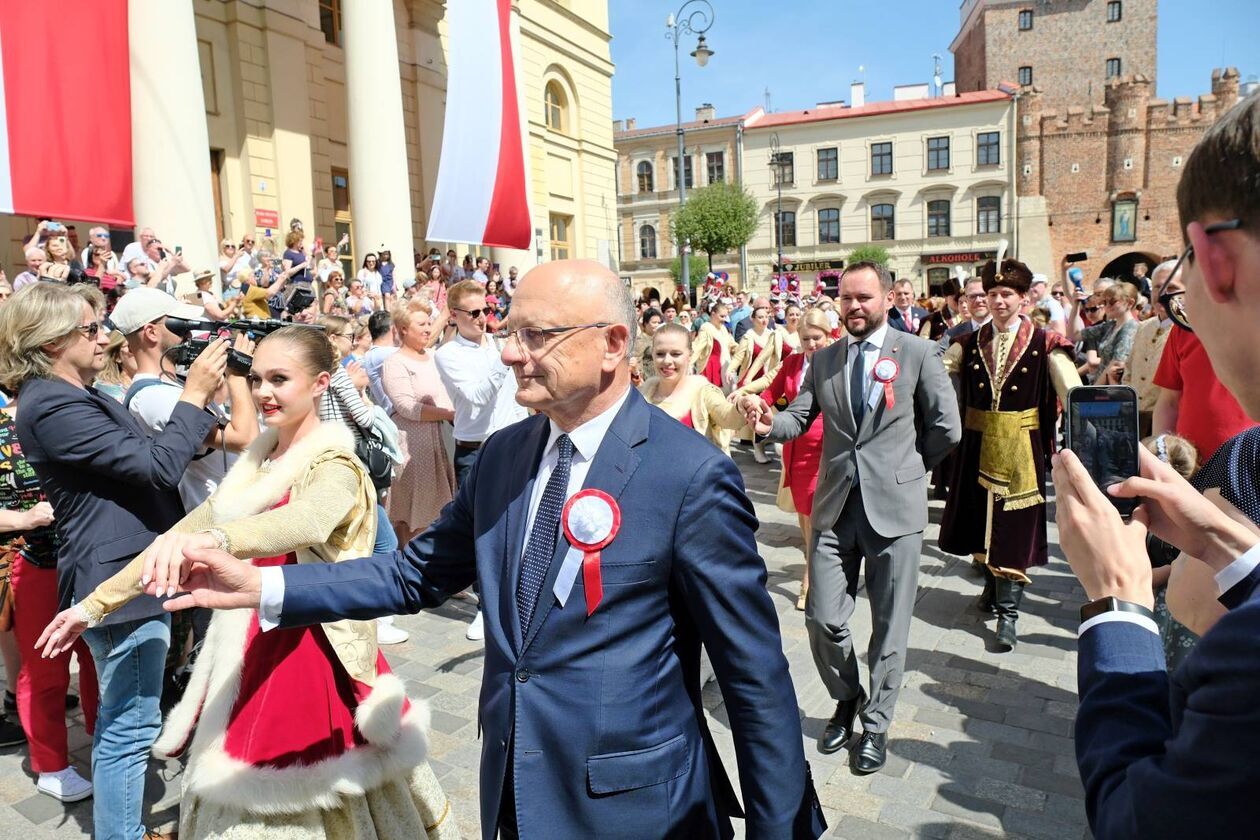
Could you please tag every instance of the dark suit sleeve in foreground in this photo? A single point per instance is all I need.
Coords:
(435, 565)
(723, 580)
(1141, 778)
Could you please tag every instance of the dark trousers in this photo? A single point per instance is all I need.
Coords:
(464, 459)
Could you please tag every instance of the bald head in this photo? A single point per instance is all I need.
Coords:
(580, 292)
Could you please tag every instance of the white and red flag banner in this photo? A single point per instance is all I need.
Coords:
(65, 110)
(480, 197)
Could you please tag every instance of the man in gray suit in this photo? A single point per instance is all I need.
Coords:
(889, 416)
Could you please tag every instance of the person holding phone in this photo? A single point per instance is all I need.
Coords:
(1009, 373)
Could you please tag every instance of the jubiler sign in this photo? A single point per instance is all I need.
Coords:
(811, 265)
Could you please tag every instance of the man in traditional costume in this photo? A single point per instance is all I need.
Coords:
(1009, 374)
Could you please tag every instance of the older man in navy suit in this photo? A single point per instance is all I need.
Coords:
(1175, 755)
(592, 724)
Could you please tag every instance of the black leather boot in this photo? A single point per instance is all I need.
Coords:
(1007, 595)
(985, 602)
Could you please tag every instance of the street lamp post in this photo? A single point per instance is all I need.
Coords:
(776, 166)
(695, 21)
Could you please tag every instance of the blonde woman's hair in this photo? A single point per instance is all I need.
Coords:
(1176, 452)
(816, 319)
(403, 310)
(245, 275)
(113, 370)
(1126, 292)
(39, 315)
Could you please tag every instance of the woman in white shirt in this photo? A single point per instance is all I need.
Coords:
(370, 276)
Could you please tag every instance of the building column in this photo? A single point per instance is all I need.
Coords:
(170, 146)
(380, 191)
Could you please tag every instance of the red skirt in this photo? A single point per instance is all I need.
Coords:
(801, 457)
(296, 703)
(713, 368)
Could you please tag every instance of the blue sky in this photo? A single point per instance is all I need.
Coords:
(824, 42)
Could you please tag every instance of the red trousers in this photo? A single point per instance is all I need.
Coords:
(42, 683)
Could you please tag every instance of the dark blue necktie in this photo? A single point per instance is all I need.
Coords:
(857, 385)
(542, 537)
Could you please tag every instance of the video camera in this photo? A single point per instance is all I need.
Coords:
(187, 351)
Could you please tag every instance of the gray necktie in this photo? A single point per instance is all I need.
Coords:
(857, 385)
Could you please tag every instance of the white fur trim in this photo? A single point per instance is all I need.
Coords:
(380, 714)
(393, 749)
(245, 491)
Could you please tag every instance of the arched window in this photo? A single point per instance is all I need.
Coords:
(647, 242)
(556, 107)
(882, 222)
(646, 177)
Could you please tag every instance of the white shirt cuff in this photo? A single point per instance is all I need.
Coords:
(1233, 574)
(271, 598)
(1114, 615)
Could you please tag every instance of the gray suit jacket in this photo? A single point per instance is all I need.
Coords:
(894, 449)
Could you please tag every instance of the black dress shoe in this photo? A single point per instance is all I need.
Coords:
(871, 752)
(840, 728)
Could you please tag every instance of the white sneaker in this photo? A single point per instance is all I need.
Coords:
(388, 634)
(759, 453)
(477, 629)
(66, 785)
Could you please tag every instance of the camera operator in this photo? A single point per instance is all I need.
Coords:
(113, 490)
(154, 393)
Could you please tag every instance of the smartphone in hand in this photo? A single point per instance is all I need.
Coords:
(1102, 429)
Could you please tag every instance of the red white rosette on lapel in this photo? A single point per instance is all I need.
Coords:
(591, 520)
(886, 372)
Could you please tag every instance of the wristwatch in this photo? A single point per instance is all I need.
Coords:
(1113, 604)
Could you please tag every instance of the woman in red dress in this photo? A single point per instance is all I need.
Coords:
(297, 733)
(801, 455)
(712, 347)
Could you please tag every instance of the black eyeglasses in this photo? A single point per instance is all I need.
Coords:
(1058, 294)
(1095, 308)
(90, 331)
(473, 313)
(533, 339)
(1175, 303)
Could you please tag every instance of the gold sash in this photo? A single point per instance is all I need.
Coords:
(1007, 467)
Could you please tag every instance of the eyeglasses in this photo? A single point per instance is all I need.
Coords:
(976, 296)
(101, 235)
(1178, 312)
(1095, 308)
(473, 313)
(229, 247)
(1058, 294)
(90, 331)
(533, 339)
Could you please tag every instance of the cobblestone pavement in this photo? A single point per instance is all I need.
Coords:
(981, 746)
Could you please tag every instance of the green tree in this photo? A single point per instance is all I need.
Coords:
(868, 253)
(717, 219)
(694, 266)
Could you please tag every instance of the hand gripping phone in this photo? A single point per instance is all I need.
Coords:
(1102, 429)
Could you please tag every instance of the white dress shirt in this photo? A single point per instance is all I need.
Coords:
(481, 387)
(586, 440)
(870, 355)
(1226, 579)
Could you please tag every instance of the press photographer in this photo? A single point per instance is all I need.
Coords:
(146, 317)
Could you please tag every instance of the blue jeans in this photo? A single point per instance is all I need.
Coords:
(386, 539)
(129, 660)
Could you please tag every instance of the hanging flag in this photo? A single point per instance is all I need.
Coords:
(65, 110)
(480, 196)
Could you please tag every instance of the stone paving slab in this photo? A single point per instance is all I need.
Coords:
(980, 748)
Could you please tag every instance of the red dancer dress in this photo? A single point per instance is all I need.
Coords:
(713, 367)
(802, 454)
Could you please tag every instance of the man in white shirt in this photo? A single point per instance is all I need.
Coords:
(381, 329)
(98, 240)
(482, 388)
(141, 316)
(1147, 741)
(35, 257)
(482, 274)
(1039, 295)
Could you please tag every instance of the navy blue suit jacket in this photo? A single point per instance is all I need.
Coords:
(1172, 756)
(602, 716)
(113, 488)
(894, 318)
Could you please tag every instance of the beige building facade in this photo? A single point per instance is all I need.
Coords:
(647, 192)
(927, 179)
(333, 111)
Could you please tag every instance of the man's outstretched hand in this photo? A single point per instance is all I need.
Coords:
(217, 581)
